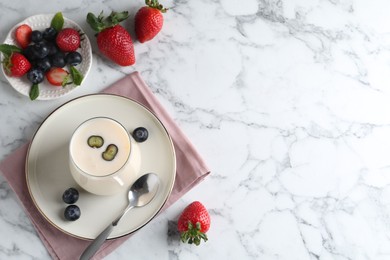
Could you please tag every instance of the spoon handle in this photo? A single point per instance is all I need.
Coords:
(96, 243)
(101, 238)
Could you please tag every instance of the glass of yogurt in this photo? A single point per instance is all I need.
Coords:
(103, 157)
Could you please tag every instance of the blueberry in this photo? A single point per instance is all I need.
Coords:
(43, 64)
(29, 53)
(70, 196)
(53, 49)
(49, 34)
(73, 58)
(72, 212)
(35, 75)
(58, 60)
(36, 36)
(140, 134)
(41, 50)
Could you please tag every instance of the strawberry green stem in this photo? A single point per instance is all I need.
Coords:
(156, 4)
(193, 235)
(101, 23)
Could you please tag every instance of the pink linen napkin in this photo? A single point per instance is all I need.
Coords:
(191, 169)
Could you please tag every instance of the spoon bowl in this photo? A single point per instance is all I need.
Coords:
(143, 190)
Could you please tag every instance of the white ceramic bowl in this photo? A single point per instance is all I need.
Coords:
(47, 91)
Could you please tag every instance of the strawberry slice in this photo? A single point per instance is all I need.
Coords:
(58, 77)
(23, 35)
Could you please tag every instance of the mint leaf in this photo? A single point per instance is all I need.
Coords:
(76, 75)
(8, 49)
(66, 81)
(57, 22)
(34, 91)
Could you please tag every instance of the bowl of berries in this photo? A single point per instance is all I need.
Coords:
(46, 56)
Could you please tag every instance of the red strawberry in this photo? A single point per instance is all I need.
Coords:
(112, 39)
(193, 223)
(68, 40)
(23, 35)
(16, 65)
(149, 20)
(58, 77)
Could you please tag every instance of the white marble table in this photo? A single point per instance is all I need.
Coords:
(289, 103)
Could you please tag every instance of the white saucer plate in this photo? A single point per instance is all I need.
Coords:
(48, 175)
(47, 91)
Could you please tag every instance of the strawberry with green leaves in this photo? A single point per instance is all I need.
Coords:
(15, 64)
(113, 40)
(149, 20)
(193, 223)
